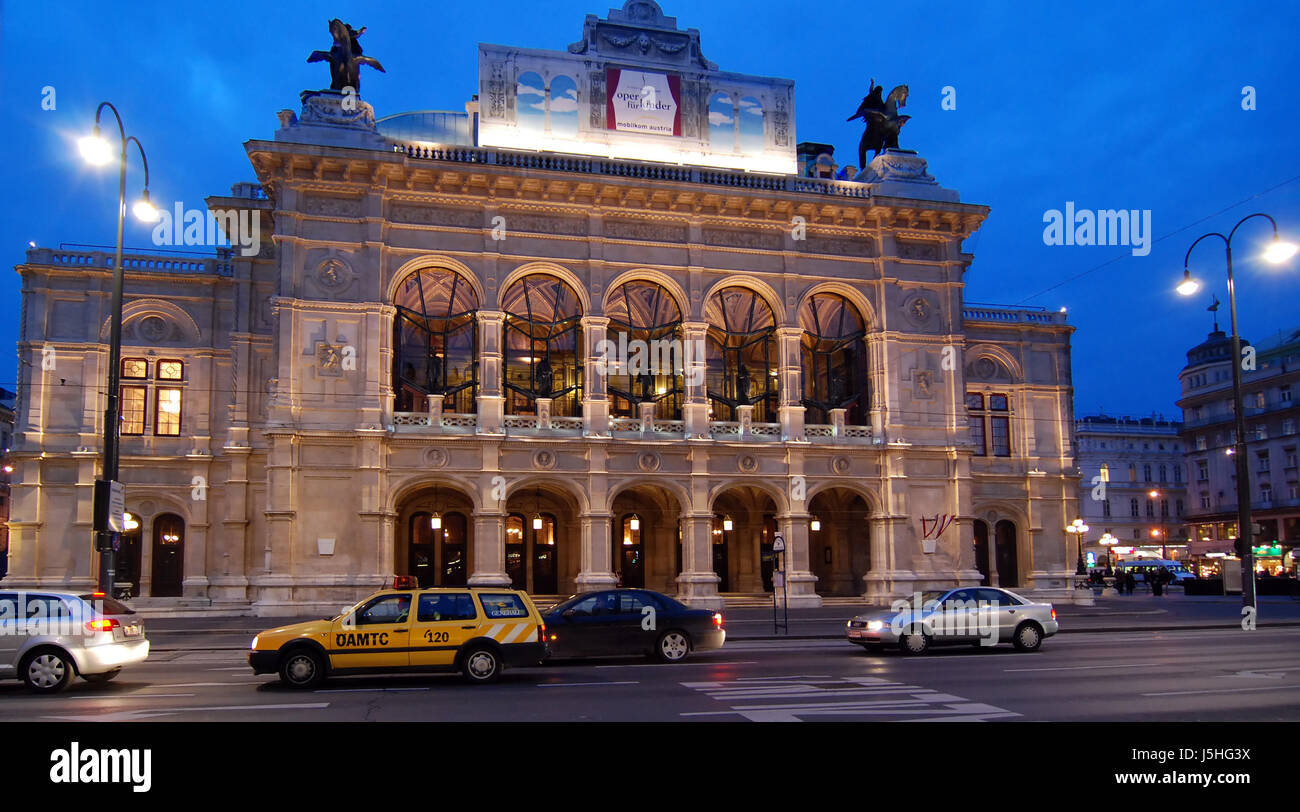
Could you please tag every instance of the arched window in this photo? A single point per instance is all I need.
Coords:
(542, 340)
(436, 341)
(645, 319)
(722, 123)
(563, 109)
(834, 360)
(742, 357)
(749, 126)
(530, 103)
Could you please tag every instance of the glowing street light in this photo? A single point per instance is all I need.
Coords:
(1278, 251)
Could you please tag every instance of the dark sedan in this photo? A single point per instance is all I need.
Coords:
(630, 621)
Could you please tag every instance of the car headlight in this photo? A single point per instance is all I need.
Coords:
(875, 625)
(254, 646)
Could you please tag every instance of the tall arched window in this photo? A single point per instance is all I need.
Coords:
(542, 341)
(645, 319)
(436, 341)
(742, 356)
(833, 355)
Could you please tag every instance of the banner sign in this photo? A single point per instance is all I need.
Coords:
(638, 101)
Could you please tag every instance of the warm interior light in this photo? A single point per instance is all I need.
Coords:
(94, 148)
(634, 523)
(145, 211)
(537, 521)
(1279, 251)
(1189, 285)
(435, 521)
(727, 523)
(815, 524)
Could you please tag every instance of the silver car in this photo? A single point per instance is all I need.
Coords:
(48, 637)
(971, 615)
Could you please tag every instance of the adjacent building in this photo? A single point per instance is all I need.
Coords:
(599, 328)
(1132, 487)
(1272, 441)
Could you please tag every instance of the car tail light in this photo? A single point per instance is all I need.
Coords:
(99, 594)
(106, 624)
(542, 632)
(1053, 613)
(717, 619)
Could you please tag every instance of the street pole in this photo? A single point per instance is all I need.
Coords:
(106, 538)
(1277, 252)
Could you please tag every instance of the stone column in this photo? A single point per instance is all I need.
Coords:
(194, 581)
(695, 408)
(595, 395)
(790, 377)
(489, 560)
(697, 586)
(491, 394)
(801, 584)
(597, 565)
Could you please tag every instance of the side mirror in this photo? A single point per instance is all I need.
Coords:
(568, 613)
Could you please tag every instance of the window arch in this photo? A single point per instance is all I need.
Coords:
(742, 357)
(645, 312)
(542, 340)
(435, 341)
(833, 354)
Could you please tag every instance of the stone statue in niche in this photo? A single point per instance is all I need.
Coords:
(345, 57)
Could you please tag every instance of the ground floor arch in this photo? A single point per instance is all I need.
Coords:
(646, 538)
(839, 541)
(542, 539)
(744, 527)
(433, 535)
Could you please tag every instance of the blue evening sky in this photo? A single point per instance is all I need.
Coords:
(1108, 104)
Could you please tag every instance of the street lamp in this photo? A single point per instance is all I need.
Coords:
(1077, 529)
(97, 152)
(1278, 251)
(1108, 541)
(1160, 534)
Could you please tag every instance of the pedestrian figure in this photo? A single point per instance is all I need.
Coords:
(1130, 583)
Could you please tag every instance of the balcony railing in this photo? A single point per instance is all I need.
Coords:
(736, 179)
(130, 262)
(624, 428)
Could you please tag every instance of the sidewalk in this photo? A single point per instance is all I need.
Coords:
(1121, 614)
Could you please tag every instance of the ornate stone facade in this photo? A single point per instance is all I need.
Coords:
(298, 484)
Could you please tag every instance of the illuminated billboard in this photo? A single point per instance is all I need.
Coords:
(643, 102)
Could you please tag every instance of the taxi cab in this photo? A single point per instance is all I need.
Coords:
(476, 631)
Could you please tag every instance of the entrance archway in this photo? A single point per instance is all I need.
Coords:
(744, 527)
(543, 537)
(839, 549)
(646, 539)
(434, 536)
(1007, 554)
(129, 553)
(168, 556)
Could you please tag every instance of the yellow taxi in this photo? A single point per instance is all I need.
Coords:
(477, 631)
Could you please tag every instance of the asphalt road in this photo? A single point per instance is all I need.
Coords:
(1172, 676)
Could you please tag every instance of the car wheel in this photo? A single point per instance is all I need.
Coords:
(47, 671)
(914, 643)
(673, 646)
(107, 676)
(1028, 637)
(481, 666)
(302, 668)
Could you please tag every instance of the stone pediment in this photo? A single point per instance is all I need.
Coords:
(641, 32)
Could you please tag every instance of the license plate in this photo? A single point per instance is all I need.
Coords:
(856, 633)
(132, 631)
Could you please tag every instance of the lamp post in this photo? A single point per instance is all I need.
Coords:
(1277, 252)
(1077, 529)
(1160, 533)
(1108, 541)
(98, 152)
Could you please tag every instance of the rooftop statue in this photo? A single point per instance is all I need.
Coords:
(345, 57)
(882, 120)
